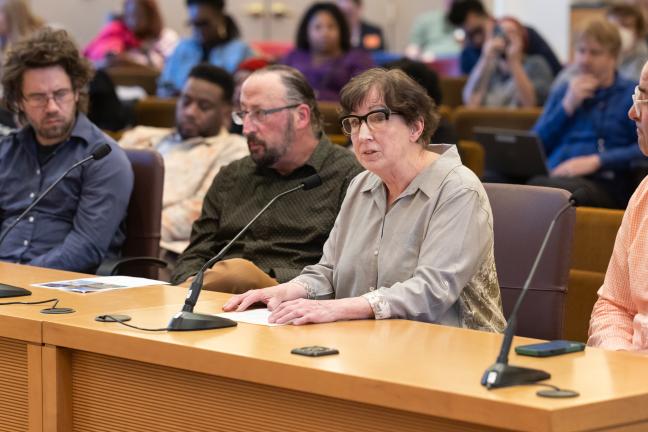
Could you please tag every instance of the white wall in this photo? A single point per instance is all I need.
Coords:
(549, 17)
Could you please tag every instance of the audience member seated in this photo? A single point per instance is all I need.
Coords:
(282, 124)
(505, 75)
(17, 21)
(588, 140)
(471, 16)
(432, 37)
(363, 34)
(137, 37)
(194, 151)
(634, 48)
(414, 237)
(620, 316)
(429, 80)
(215, 40)
(323, 51)
(77, 225)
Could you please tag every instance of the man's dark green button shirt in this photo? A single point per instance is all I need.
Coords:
(290, 234)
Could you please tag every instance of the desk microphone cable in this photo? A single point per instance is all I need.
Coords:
(122, 321)
(50, 310)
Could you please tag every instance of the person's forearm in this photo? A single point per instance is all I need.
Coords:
(353, 308)
(475, 88)
(526, 91)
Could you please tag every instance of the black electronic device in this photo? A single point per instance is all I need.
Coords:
(552, 348)
(12, 291)
(186, 319)
(314, 351)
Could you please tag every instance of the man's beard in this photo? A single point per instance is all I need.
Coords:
(270, 156)
(56, 132)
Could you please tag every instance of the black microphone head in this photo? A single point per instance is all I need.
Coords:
(579, 196)
(312, 182)
(101, 152)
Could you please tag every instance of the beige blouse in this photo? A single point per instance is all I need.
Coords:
(427, 258)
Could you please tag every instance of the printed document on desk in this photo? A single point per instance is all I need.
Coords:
(250, 316)
(97, 284)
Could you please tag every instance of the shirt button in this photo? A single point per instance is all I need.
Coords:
(376, 252)
(31, 219)
(26, 242)
(32, 195)
(37, 172)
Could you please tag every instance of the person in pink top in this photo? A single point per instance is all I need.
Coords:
(620, 316)
(136, 37)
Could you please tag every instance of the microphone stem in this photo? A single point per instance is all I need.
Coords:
(512, 324)
(227, 247)
(196, 284)
(37, 200)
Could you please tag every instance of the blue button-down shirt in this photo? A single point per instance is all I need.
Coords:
(599, 126)
(189, 52)
(77, 224)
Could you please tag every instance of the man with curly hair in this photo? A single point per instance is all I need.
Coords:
(77, 224)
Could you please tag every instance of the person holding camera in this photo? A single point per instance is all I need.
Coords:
(505, 76)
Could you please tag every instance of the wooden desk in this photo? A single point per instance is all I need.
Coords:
(21, 338)
(390, 375)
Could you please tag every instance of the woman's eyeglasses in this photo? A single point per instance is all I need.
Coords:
(375, 120)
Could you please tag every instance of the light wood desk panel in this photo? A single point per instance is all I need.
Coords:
(21, 375)
(390, 373)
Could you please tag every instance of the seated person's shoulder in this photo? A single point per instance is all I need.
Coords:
(640, 198)
(342, 157)
(143, 137)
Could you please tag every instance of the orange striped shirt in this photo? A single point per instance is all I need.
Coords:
(620, 316)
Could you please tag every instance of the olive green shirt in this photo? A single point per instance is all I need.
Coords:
(290, 234)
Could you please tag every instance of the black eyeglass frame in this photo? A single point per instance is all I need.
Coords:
(239, 116)
(365, 118)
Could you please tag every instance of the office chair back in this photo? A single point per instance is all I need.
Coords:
(521, 217)
(465, 119)
(143, 222)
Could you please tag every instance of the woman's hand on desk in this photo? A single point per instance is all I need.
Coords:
(272, 296)
(302, 311)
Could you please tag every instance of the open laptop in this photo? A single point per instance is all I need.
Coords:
(512, 153)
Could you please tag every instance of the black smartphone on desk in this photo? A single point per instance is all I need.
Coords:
(547, 349)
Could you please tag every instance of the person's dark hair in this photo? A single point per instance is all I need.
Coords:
(302, 42)
(231, 28)
(217, 5)
(45, 48)
(460, 9)
(629, 11)
(298, 91)
(154, 21)
(419, 72)
(217, 76)
(399, 93)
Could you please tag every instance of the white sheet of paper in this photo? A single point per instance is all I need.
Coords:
(250, 316)
(103, 283)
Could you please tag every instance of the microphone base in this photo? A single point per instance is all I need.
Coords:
(12, 291)
(505, 375)
(188, 321)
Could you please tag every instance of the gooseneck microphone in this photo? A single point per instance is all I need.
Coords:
(101, 152)
(501, 374)
(186, 319)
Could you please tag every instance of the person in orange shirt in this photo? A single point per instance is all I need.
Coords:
(620, 316)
